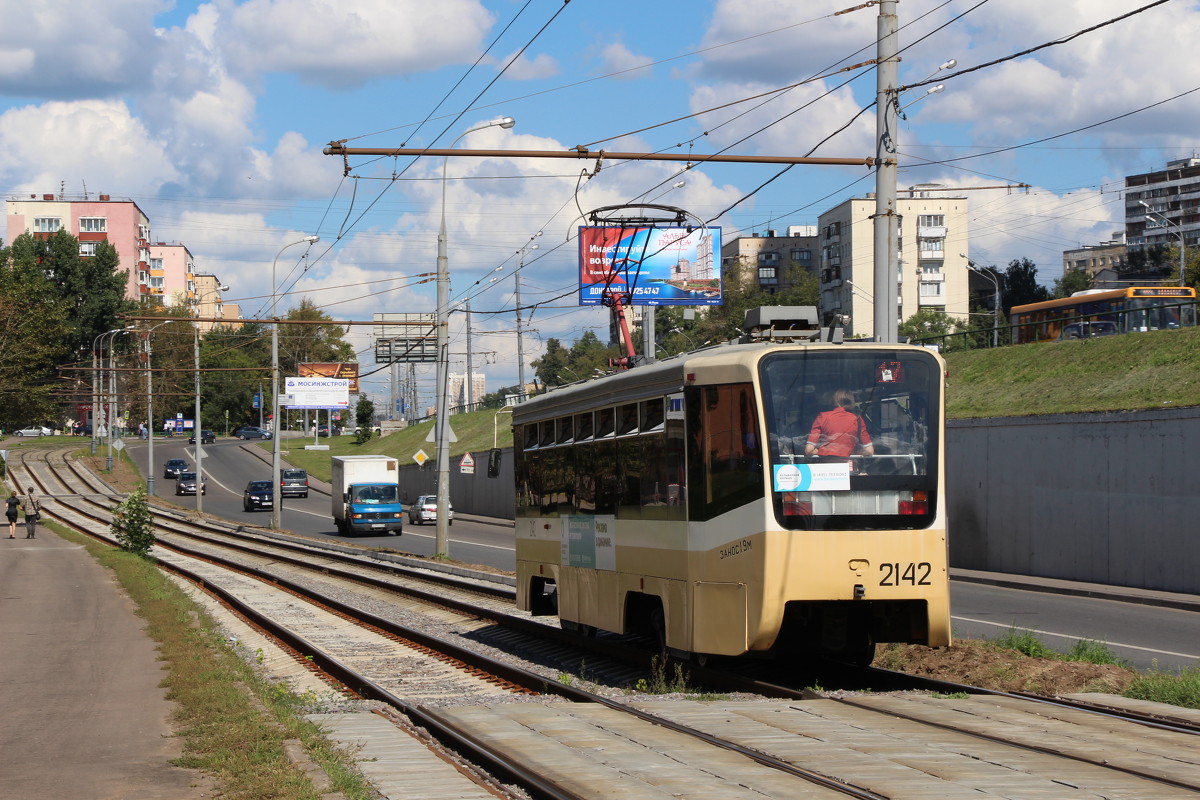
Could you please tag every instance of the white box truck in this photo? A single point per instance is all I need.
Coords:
(366, 495)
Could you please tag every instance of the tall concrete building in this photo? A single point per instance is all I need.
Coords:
(931, 270)
(1173, 197)
(457, 386)
(119, 222)
(767, 258)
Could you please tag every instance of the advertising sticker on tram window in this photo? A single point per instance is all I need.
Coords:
(833, 477)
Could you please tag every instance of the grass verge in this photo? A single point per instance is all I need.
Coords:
(232, 721)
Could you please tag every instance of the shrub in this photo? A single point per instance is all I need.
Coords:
(131, 523)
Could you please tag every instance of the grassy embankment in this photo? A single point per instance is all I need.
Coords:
(1158, 369)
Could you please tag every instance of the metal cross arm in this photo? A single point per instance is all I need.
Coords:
(335, 149)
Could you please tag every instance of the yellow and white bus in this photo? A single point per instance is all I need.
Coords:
(676, 499)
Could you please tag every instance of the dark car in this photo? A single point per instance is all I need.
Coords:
(293, 483)
(185, 483)
(82, 430)
(251, 432)
(173, 467)
(258, 495)
(206, 437)
(324, 430)
(1088, 330)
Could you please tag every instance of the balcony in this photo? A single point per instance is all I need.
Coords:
(931, 232)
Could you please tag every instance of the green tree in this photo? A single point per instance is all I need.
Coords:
(364, 418)
(1019, 285)
(306, 343)
(1072, 281)
(926, 323)
(1151, 262)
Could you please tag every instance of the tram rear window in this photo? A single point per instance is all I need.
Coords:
(852, 437)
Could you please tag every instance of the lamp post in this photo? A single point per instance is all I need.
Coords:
(112, 393)
(995, 298)
(276, 499)
(442, 424)
(97, 384)
(197, 428)
(1178, 232)
(517, 303)
(150, 469)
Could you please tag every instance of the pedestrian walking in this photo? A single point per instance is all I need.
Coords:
(12, 505)
(33, 513)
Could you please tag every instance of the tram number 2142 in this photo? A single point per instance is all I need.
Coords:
(913, 574)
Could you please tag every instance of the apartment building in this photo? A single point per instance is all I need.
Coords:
(768, 258)
(1164, 206)
(119, 222)
(1100, 259)
(931, 268)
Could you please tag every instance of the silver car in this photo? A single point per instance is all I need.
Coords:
(33, 430)
(425, 510)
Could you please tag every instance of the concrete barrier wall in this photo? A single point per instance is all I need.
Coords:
(469, 493)
(1105, 498)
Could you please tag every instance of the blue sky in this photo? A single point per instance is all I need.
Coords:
(212, 116)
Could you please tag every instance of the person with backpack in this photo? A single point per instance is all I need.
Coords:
(33, 513)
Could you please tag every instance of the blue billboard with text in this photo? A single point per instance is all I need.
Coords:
(652, 266)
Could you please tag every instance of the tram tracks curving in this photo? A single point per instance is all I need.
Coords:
(1002, 736)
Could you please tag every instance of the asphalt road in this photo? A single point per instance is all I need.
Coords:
(1145, 636)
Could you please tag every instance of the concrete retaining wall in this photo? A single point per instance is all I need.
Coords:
(1105, 498)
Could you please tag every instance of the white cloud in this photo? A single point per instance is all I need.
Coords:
(74, 50)
(336, 45)
(528, 69)
(99, 142)
(616, 57)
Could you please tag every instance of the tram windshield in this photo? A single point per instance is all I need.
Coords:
(852, 437)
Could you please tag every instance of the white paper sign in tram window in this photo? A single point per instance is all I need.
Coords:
(829, 477)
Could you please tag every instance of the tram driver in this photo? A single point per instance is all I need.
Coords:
(840, 432)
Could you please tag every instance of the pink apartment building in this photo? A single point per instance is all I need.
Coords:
(119, 222)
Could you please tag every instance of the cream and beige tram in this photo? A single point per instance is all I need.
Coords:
(680, 499)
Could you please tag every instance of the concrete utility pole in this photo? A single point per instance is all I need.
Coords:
(886, 228)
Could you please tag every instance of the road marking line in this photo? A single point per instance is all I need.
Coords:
(1070, 636)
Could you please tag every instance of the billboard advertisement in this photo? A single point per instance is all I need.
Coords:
(318, 393)
(655, 266)
(345, 369)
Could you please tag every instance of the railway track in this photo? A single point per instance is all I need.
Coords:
(584, 745)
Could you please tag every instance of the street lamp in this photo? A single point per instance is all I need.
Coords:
(196, 427)
(276, 499)
(1178, 232)
(995, 298)
(111, 394)
(517, 303)
(442, 423)
(150, 469)
(97, 384)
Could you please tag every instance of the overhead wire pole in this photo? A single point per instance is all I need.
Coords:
(886, 120)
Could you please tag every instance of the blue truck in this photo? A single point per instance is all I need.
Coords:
(366, 495)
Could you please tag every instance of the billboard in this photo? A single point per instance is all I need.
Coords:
(655, 266)
(405, 338)
(319, 393)
(345, 369)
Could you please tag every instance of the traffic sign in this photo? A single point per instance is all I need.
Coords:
(420, 457)
(467, 465)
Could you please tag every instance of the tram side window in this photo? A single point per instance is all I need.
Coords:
(725, 466)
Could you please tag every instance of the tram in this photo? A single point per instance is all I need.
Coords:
(680, 498)
(1134, 308)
